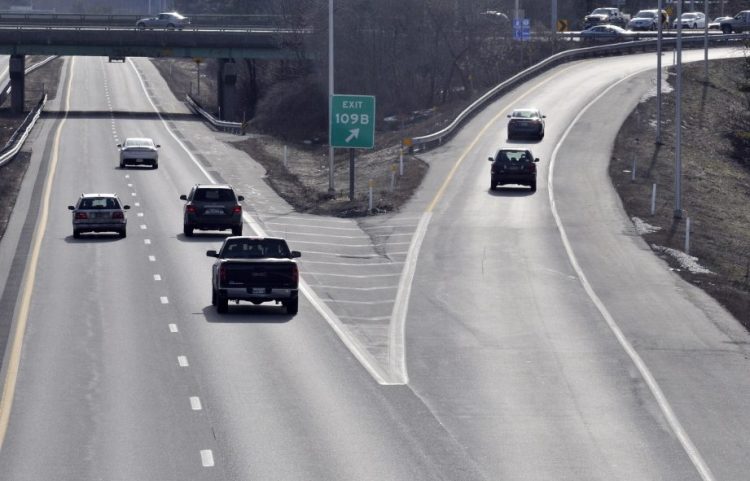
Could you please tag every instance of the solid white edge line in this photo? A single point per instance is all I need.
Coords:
(359, 352)
(653, 385)
(397, 326)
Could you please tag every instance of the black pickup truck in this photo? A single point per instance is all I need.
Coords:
(255, 269)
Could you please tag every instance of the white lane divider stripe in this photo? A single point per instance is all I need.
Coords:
(157, 277)
(147, 241)
(137, 204)
(164, 300)
(687, 444)
(182, 361)
(207, 458)
(173, 328)
(152, 258)
(143, 227)
(195, 403)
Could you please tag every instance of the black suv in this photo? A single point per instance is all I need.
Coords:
(212, 207)
(513, 166)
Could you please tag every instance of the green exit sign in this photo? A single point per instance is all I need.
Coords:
(353, 121)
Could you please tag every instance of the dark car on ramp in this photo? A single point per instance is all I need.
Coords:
(526, 123)
(513, 166)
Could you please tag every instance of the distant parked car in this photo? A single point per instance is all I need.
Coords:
(168, 20)
(526, 122)
(513, 166)
(715, 24)
(607, 33)
(692, 20)
(212, 207)
(648, 20)
(139, 151)
(99, 213)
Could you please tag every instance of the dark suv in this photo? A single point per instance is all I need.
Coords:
(513, 166)
(212, 207)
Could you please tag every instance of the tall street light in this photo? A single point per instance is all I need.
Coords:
(678, 121)
(330, 96)
(658, 72)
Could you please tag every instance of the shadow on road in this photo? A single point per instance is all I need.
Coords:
(520, 191)
(249, 314)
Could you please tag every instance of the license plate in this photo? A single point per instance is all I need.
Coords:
(138, 161)
(214, 212)
(259, 290)
(513, 168)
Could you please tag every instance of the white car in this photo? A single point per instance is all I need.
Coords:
(168, 20)
(139, 151)
(692, 20)
(716, 23)
(648, 20)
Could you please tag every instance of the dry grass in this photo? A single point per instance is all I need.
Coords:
(715, 185)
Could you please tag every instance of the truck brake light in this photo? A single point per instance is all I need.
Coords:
(190, 209)
(81, 215)
(222, 274)
(237, 209)
(295, 273)
(118, 215)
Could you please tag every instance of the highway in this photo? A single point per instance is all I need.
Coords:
(474, 335)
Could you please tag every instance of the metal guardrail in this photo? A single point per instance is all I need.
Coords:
(61, 19)
(437, 138)
(235, 127)
(16, 141)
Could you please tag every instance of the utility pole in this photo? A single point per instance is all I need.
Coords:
(331, 190)
(678, 121)
(658, 74)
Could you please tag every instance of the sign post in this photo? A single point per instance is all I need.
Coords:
(352, 126)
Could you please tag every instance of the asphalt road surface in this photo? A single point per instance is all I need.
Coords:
(475, 335)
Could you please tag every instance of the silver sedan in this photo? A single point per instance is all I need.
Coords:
(99, 213)
(139, 151)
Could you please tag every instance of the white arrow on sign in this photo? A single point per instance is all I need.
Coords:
(353, 135)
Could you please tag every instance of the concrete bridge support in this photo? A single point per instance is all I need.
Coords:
(227, 95)
(16, 69)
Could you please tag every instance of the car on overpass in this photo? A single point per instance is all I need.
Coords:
(168, 20)
(648, 20)
(607, 33)
(691, 20)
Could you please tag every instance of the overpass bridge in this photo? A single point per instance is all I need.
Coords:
(225, 44)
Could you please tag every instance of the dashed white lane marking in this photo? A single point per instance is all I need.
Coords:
(182, 361)
(164, 300)
(147, 241)
(195, 403)
(157, 277)
(130, 185)
(133, 194)
(137, 204)
(207, 458)
(127, 176)
(143, 227)
(173, 328)
(140, 214)
(152, 258)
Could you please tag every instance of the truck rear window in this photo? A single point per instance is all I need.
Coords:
(254, 249)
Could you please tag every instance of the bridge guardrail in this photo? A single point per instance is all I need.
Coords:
(437, 138)
(76, 19)
(16, 141)
(235, 127)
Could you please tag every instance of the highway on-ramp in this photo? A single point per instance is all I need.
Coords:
(540, 338)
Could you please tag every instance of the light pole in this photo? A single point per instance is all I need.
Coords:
(658, 72)
(678, 121)
(330, 96)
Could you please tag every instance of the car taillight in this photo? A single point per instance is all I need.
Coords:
(118, 215)
(190, 209)
(222, 274)
(295, 273)
(532, 167)
(81, 215)
(237, 209)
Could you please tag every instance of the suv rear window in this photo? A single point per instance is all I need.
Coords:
(521, 156)
(216, 195)
(99, 203)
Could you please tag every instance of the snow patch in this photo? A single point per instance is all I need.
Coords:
(686, 261)
(665, 89)
(642, 227)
